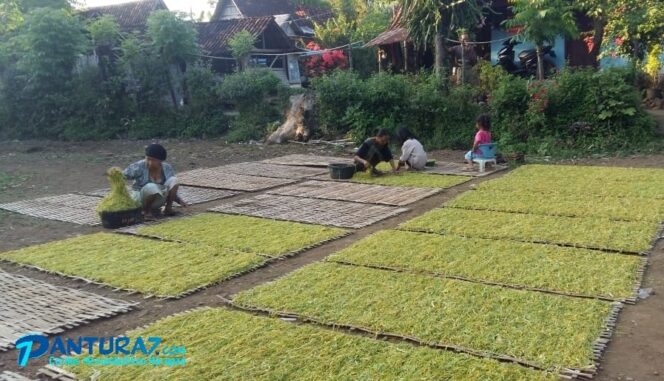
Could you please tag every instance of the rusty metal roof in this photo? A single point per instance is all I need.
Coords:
(129, 16)
(388, 37)
(394, 33)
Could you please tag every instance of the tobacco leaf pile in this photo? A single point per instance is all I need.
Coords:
(118, 199)
(244, 233)
(152, 267)
(229, 345)
(518, 264)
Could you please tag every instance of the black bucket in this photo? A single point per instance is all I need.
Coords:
(114, 220)
(341, 171)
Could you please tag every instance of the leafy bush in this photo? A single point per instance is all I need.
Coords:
(592, 111)
(336, 93)
(455, 125)
(509, 104)
(259, 96)
(490, 76)
(383, 103)
(443, 118)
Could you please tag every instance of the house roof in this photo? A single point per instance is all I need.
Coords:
(130, 16)
(260, 8)
(391, 36)
(213, 36)
(394, 33)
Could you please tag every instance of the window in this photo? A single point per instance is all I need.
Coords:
(274, 62)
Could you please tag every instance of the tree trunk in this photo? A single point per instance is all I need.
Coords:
(439, 53)
(598, 36)
(243, 63)
(171, 90)
(540, 64)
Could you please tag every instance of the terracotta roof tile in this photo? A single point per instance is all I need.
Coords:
(130, 16)
(213, 36)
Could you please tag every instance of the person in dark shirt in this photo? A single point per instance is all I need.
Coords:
(155, 184)
(464, 58)
(373, 151)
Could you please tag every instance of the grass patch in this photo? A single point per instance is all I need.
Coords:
(592, 191)
(513, 263)
(560, 204)
(590, 173)
(5, 180)
(230, 345)
(10, 181)
(250, 234)
(600, 233)
(544, 329)
(409, 178)
(148, 266)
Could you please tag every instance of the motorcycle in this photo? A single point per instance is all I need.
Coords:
(527, 66)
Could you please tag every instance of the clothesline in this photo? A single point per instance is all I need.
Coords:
(484, 42)
(303, 52)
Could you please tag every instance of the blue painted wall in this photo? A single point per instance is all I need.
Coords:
(559, 47)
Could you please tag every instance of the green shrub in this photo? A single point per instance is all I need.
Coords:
(599, 111)
(383, 103)
(335, 94)
(455, 125)
(260, 98)
(509, 104)
(490, 76)
(578, 110)
(441, 118)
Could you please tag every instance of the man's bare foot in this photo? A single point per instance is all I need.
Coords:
(180, 201)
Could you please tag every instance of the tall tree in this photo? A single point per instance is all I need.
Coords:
(105, 34)
(10, 16)
(541, 22)
(598, 11)
(636, 26)
(28, 5)
(45, 50)
(50, 42)
(241, 44)
(174, 40)
(430, 22)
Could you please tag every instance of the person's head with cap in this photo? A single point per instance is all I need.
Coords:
(383, 136)
(154, 155)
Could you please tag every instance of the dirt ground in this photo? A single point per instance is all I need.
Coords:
(33, 169)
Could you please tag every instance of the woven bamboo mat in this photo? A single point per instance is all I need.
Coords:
(192, 195)
(364, 193)
(74, 208)
(219, 179)
(11, 376)
(308, 160)
(28, 305)
(271, 170)
(310, 210)
(446, 168)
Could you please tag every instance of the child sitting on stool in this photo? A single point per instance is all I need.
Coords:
(483, 136)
